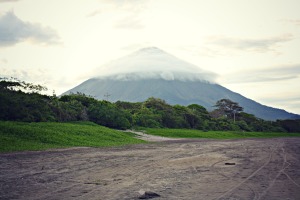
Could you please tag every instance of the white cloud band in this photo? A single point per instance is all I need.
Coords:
(13, 30)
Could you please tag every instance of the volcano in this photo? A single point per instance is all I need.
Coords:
(152, 72)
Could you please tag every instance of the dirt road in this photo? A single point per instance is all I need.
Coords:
(236, 169)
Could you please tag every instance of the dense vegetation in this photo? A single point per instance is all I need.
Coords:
(22, 102)
(18, 136)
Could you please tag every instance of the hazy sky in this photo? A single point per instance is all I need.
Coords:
(253, 46)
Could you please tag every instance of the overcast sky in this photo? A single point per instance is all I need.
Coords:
(253, 46)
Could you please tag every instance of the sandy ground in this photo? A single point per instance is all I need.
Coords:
(178, 169)
(151, 138)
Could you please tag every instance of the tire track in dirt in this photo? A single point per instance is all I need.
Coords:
(232, 189)
(135, 170)
(283, 172)
(285, 165)
(265, 169)
(213, 168)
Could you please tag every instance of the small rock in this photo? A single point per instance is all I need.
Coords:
(229, 163)
(148, 195)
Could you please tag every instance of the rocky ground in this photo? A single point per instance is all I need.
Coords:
(177, 169)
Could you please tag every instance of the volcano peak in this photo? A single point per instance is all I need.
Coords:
(152, 72)
(153, 63)
(150, 49)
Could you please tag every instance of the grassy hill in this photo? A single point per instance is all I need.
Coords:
(19, 136)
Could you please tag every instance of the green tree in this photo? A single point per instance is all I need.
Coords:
(107, 114)
(14, 84)
(202, 116)
(229, 108)
(145, 117)
(160, 107)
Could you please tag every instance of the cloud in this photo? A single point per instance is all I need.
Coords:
(129, 22)
(13, 30)
(256, 77)
(95, 13)
(25, 74)
(292, 21)
(292, 98)
(124, 14)
(202, 50)
(7, 1)
(127, 5)
(288, 101)
(42, 76)
(3, 61)
(276, 73)
(133, 7)
(260, 45)
(153, 63)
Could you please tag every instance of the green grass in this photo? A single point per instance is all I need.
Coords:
(186, 133)
(20, 136)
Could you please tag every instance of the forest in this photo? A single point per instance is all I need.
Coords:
(25, 102)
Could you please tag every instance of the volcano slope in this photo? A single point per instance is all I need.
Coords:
(179, 169)
(152, 72)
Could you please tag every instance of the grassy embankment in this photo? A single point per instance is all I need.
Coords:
(19, 136)
(186, 133)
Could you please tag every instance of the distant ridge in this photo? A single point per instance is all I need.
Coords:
(151, 72)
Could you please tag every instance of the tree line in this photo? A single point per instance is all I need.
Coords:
(22, 101)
